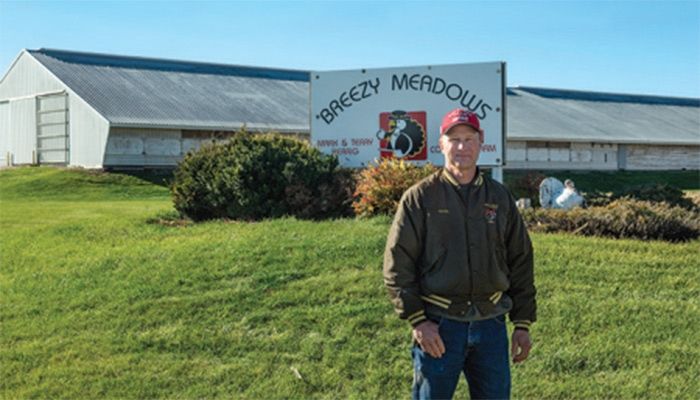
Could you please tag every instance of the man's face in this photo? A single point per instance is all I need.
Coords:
(461, 146)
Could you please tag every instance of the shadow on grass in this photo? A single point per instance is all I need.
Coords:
(158, 176)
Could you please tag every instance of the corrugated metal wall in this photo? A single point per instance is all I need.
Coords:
(23, 82)
(145, 147)
(4, 132)
(155, 147)
(601, 156)
(561, 155)
(26, 80)
(28, 77)
(655, 157)
(23, 130)
(52, 129)
(88, 135)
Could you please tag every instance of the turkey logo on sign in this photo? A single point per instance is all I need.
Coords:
(402, 135)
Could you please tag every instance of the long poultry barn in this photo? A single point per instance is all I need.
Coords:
(568, 129)
(98, 111)
(108, 111)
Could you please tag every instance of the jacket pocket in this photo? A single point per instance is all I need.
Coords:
(434, 263)
(502, 260)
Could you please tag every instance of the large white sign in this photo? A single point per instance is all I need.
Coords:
(366, 115)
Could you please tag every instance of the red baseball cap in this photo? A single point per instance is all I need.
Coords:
(459, 116)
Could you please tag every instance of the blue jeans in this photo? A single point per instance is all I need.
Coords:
(479, 349)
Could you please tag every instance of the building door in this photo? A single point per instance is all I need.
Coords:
(52, 130)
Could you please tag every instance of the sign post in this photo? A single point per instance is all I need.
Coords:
(370, 114)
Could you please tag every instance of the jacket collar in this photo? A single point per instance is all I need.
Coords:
(477, 181)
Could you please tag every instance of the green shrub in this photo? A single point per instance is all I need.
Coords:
(658, 193)
(332, 199)
(380, 186)
(624, 218)
(527, 186)
(598, 198)
(653, 192)
(251, 177)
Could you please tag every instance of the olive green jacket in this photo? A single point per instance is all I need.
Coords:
(454, 255)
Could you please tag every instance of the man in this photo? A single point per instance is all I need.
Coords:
(457, 259)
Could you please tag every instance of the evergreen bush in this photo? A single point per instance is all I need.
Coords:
(652, 192)
(527, 186)
(251, 177)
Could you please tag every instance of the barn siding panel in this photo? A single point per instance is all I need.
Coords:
(23, 130)
(88, 135)
(27, 78)
(146, 147)
(4, 133)
(648, 157)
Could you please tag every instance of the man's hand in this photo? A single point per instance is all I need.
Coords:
(428, 337)
(520, 345)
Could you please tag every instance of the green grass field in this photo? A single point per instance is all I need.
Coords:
(98, 303)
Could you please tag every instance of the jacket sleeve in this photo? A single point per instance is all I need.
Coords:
(521, 263)
(404, 248)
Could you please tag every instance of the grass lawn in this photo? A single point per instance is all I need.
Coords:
(97, 302)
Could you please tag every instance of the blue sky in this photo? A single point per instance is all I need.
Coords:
(645, 47)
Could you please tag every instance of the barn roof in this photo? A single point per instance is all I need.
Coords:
(146, 92)
(579, 116)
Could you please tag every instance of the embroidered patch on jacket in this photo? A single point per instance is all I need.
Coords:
(490, 213)
(443, 211)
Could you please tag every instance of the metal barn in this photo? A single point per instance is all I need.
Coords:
(567, 129)
(101, 111)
